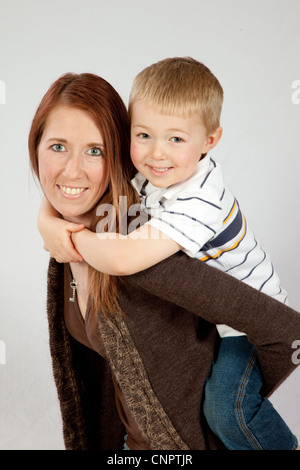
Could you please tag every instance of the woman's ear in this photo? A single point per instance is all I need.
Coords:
(212, 139)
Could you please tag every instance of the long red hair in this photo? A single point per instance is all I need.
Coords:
(95, 95)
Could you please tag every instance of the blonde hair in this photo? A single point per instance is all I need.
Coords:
(181, 86)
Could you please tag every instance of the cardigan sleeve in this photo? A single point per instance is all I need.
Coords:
(217, 297)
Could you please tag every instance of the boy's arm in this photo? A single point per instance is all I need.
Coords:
(56, 233)
(122, 255)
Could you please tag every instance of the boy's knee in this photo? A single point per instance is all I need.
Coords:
(219, 409)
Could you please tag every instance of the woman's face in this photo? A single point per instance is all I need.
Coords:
(72, 164)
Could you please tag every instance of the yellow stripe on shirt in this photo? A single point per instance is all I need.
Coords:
(220, 252)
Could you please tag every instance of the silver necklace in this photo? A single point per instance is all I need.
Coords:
(73, 285)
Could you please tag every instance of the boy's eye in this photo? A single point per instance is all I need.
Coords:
(143, 135)
(95, 152)
(58, 148)
(176, 139)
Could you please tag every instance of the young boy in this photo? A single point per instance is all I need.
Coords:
(175, 107)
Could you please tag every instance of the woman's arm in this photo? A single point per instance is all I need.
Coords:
(122, 255)
(221, 299)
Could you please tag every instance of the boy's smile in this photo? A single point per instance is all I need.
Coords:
(167, 148)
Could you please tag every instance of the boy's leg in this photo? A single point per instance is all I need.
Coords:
(233, 406)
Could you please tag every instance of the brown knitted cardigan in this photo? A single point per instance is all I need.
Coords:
(160, 353)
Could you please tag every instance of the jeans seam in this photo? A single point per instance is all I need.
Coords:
(239, 404)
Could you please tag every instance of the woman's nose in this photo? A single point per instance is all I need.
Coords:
(73, 168)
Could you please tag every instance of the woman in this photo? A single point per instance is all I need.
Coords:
(131, 356)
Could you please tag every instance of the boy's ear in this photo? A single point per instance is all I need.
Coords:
(212, 139)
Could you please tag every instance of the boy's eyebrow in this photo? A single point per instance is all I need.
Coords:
(168, 130)
(178, 130)
(141, 125)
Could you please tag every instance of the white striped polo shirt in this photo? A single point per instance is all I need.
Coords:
(204, 218)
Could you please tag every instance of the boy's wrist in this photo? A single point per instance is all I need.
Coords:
(77, 236)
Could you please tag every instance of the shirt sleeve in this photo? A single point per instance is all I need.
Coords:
(191, 220)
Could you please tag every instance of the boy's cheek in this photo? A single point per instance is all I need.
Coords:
(135, 154)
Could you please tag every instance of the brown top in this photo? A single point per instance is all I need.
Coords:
(84, 332)
(161, 352)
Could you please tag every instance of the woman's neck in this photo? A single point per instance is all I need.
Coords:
(84, 219)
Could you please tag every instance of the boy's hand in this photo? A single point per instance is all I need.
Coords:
(58, 241)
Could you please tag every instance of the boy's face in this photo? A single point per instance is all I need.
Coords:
(167, 148)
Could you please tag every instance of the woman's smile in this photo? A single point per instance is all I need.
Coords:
(70, 191)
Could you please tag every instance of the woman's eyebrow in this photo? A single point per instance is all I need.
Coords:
(64, 141)
(96, 144)
(57, 139)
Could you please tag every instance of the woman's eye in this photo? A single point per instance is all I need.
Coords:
(58, 148)
(95, 152)
(176, 139)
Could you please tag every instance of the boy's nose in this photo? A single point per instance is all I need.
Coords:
(157, 152)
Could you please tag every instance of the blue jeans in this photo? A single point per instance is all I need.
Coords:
(233, 406)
